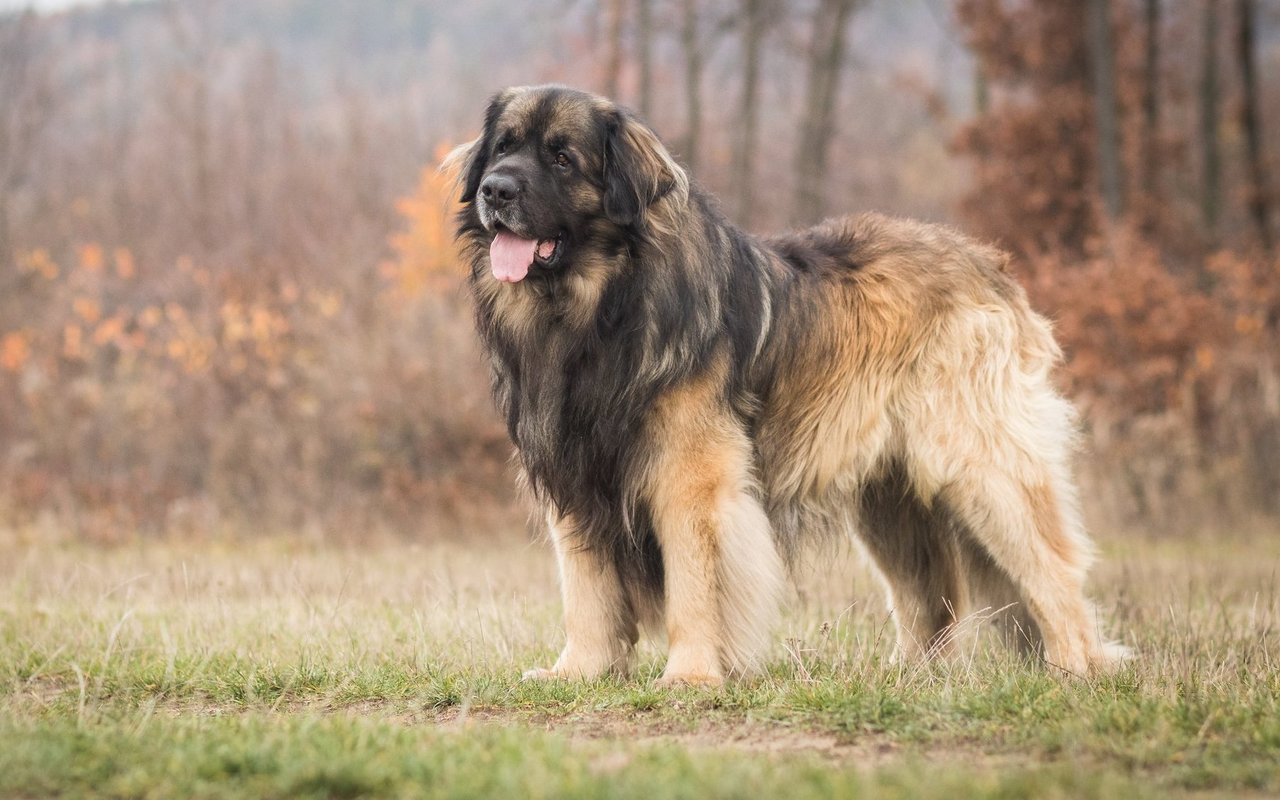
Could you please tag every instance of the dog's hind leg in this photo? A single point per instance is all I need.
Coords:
(1022, 524)
(600, 624)
(994, 597)
(991, 442)
(917, 551)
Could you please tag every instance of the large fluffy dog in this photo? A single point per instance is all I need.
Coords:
(690, 404)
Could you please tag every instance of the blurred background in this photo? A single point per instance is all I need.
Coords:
(229, 301)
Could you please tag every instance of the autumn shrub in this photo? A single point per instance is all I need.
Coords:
(1165, 303)
(182, 398)
(1175, 377)
(190, 399)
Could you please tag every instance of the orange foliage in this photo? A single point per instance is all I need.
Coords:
(1170, 345)
(14, 351)
(87, 309)
(125, 267)
(38, 262)
(145, 392)
(91, 257)
(426, 256)
(1032, 147)
(1135, 334)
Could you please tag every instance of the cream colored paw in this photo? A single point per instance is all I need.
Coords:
(704, 680)
(539, 674)
(575, 671)
(1114, 656)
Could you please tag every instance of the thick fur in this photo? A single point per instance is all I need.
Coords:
(692, 405)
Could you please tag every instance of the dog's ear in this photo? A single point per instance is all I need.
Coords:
(638, 170)
(469, 161)
(459, 164)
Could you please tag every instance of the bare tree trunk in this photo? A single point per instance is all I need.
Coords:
(1151, 101)
(1259, 194)
(644, 54)
(27, 106)
(981, 90)
(1107, 122)
(689, 40)
(753, 27)
(6, 239)
(616, 10)
(826, 62)
(202, 155)
(1211, 157)
(188, 104)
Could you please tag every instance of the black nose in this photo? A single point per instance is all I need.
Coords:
(498, 190)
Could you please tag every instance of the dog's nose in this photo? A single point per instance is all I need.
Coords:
(498, 190)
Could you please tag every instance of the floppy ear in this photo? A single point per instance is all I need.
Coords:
(468, 161)
(638, 170)
(458, 165)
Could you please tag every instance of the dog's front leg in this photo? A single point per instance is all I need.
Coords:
(723, 580)
(690, 541)
(600, 625)
(722, 575)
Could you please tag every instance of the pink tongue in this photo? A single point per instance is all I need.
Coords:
(510, 256)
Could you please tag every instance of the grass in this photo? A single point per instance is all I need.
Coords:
(277, 667)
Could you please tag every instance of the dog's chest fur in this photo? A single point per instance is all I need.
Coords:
(574, 397)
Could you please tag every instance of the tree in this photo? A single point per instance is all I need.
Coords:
(616, 12)
(826, 63)
(754, 23)
(1259, 199)
(691, 43)
(27, 102)
(1107, 123)
(1210, 147)
(1033, 147)
(644, 54)
(1150, 98)
(188, 94)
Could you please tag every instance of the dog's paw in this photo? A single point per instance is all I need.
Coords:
(571, 673)
(700, 680)
(540, 674)
(1103, 659)
(1114, 656)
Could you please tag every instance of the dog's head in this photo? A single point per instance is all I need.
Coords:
(556, 169)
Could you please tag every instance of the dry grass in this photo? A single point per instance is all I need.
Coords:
(283, 650)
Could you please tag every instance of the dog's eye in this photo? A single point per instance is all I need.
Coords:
(562, 159)
(501, 149)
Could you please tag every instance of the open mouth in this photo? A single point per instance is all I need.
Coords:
(547, 253)
(512, 256)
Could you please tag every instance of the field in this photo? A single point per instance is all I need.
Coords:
(280, 667)
(257, 535)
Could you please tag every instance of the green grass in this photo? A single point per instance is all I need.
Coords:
(278, 668)
(261, 755)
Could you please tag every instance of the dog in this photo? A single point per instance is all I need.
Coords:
(690, 405)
